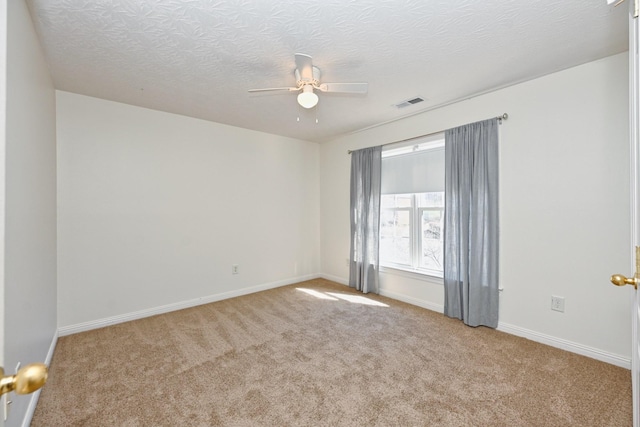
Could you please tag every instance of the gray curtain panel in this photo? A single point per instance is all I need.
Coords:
(366, 165)
(471, 223)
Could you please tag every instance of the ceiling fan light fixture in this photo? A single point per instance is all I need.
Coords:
(308, 79)
(307, 98)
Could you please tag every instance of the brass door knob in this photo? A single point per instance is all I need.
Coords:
(620, 280)
(26, 380)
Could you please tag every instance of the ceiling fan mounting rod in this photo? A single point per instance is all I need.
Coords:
(314, 80)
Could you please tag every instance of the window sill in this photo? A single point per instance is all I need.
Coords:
(412, 274)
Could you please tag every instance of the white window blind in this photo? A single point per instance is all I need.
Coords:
(413, 172)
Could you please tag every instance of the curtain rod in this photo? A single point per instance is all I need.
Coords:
(505, 116)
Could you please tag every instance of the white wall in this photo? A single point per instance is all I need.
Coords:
(564, 198)
(154, 208)
(30, 204)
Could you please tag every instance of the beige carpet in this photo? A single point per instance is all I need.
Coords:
(320, 357)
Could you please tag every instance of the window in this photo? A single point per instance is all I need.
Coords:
(412, 207)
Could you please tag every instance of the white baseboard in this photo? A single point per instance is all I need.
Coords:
(33, 401)
(335, 279)
(101, 323)
(552, 341)
(563, 344)
(560, 343)
(413, 301)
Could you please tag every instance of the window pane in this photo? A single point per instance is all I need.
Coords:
(395, 201)
(395, 240)
(431, 200)
(431, 232)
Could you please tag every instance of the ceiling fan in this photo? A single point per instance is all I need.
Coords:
(308, 79)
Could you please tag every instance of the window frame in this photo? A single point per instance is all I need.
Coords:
(415, 239)
(411, 236)
(420, 249)
(416, 269)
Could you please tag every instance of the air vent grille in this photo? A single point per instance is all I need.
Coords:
(409, 102)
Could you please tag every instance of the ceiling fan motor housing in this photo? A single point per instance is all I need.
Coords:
(315, 81)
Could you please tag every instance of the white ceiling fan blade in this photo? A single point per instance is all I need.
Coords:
(271, 89)
(344, 87)
(304, 66)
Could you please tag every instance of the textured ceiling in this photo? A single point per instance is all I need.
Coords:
(199, 57)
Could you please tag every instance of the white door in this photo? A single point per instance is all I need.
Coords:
(634, 134)
(3, 111)
(634, 97)
(634, 80)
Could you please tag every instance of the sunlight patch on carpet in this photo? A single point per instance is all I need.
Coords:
(357, 299)
(334, 296)
(317, 294)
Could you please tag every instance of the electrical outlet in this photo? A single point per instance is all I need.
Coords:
(235, 269)
(347, 262)
(557, 303)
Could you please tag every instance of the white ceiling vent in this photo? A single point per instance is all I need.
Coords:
(409, 102)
